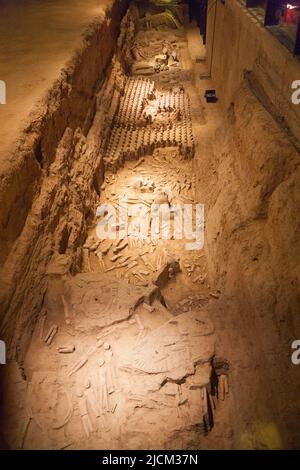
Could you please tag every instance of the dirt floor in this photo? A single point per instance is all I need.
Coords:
(126, 349)
(130, 365)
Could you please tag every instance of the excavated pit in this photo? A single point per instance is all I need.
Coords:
(139, 342)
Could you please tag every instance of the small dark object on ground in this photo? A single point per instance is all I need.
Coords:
(210, 96)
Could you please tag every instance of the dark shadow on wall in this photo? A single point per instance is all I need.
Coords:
(198, 14)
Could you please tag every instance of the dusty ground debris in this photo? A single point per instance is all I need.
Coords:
(137, 342)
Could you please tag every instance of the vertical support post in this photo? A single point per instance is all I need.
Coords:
(272, 10)
(297, 42)
(203, 18)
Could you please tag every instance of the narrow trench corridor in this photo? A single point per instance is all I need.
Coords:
(149, 338)
(137, 347)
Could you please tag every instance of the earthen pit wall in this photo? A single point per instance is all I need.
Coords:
(248, 178)
(48, 192)
(251, 169)
(238, 42)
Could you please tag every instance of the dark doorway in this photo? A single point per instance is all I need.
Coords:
(198, 13)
